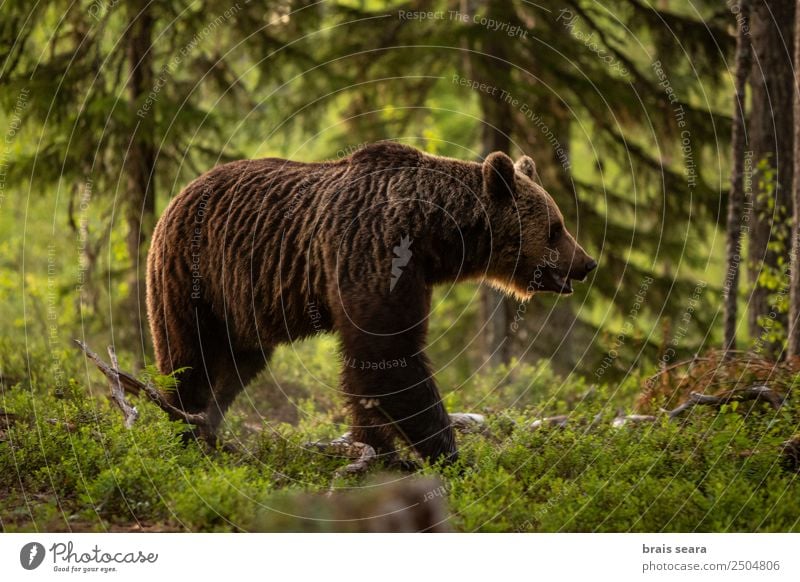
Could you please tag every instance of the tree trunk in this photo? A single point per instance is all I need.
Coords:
(551, 328)
(736, 200)
(793, 343)
(140, 164)
(496, 309)
(771, 137)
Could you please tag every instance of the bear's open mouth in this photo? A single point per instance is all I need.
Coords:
(551, 280)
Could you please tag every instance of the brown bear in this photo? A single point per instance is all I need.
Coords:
(256, 253)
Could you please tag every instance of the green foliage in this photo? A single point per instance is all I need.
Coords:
(164, 382)
(67, 462)
(317, 81)
(718, 473)
(773, 273)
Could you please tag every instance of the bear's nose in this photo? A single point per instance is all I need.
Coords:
(591, 266)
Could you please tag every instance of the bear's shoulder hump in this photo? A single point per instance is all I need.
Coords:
(386, 152)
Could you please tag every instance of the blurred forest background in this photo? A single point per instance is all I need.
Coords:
(111, 108)
(663, 128)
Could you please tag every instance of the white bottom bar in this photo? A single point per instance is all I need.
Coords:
(400, 557)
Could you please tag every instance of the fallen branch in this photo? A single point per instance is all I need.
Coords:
(467, 421)
(131, 384)
(363, 454)
(758, 392)
(117, 393)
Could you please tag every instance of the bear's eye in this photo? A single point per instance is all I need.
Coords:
(555, 232)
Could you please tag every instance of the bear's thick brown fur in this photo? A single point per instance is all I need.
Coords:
(255, 253)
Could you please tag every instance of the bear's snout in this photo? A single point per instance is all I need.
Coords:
(581, 271)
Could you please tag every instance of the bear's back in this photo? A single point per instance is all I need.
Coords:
(386, 154)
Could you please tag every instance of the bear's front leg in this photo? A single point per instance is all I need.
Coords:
(399, 401)
(386, 376)
(392, 394)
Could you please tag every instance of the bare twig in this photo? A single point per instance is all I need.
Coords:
(341, 446)
(130, 384)
(135, 386)
(117, 393)
(758, 392)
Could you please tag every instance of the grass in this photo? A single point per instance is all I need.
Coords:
(68, 464)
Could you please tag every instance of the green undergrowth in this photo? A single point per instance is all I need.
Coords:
(67, 463)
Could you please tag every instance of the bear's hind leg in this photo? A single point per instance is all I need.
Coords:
(231, 373)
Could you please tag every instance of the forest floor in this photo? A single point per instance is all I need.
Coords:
(67, 463)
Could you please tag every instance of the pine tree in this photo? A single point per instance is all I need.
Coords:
(793, 342)
(135, 99)
(603, 108)
(736, 199)
(771, 136)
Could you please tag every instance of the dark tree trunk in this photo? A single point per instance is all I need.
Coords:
(550, 328)
(736, 200)
(494, 70)
(793, 343)
(140, 163)
(771, 137)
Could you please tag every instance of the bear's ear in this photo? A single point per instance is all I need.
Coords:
(527, 166)
(498, 175)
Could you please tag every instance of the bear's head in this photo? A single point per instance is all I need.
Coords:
(532, 250)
